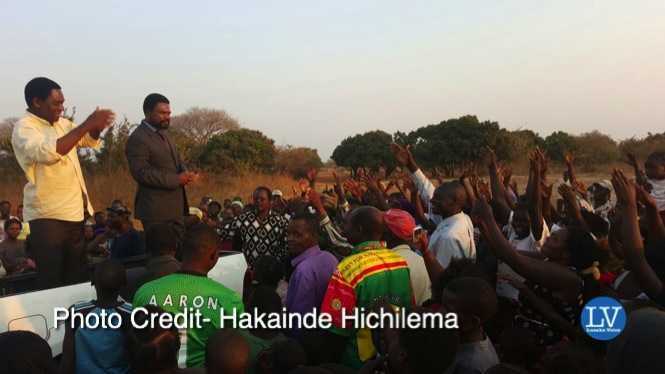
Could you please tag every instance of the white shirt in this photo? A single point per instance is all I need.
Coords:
(422, 287)
(426, 191)
(55, 187)
(528, 244)
(658, 192)
(453, 238)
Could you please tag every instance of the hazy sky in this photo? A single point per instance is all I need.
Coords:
(313, 72)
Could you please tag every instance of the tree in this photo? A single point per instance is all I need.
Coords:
(111, 156)
(595, 148)
(238, 150)
(643, 147)
(296, 161)
(558, 143)
(370, 150)
(201, 124)
(8, 163)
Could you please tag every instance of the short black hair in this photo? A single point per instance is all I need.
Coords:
(265, 300)
(109, 277)
(11, 221)
(215, 202)
(263, 188)
(311, 220)
(657, 157)
(198, 238)
(161, 239)
(268, 270)
(39, 88)
(429, 350)
(152, 100)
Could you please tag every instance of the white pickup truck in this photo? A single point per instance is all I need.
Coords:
(34, 311)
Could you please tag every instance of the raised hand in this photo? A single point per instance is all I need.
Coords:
(645, 198)
(491, 157)
(569, 158)
(402, 154)
(311, 176)
(481, 209)
(624, 189)
(567, 193)
(100, 119)
(632, 160)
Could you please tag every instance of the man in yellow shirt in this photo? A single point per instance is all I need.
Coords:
(55, 197)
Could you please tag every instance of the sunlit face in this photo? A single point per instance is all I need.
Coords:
(299, 237)
(160, 116)
(442, 204)
(52, 108)
(262, 201)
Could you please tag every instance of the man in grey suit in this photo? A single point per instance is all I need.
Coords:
(157, 168)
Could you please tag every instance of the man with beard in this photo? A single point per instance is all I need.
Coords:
(157, 168)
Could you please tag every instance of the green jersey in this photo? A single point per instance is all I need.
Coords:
(180, 292)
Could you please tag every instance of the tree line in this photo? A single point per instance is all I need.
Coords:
(459, 143)
(207, 139)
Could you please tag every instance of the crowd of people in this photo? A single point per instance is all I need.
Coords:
(515, 264)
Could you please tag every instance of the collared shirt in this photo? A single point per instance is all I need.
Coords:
(422, 286)
(453, 238)
(371, 274)
(258, 238)
(55, 187)
(309, 281)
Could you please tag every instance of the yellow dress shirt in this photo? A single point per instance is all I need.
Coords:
(55, 187)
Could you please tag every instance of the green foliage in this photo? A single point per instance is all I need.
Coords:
(642, 148)
(111, 156)
(238, 150)
(370, 150)
(558, 144)
(296, 161)
(595, 148)
(456, 143)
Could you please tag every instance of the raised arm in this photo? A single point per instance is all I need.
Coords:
(569, 159)
(535, 195)
(499, 201)
(405, 159)
(633, 245)
(656, 227)
(573, 210)
(547, 274)
(640, 175)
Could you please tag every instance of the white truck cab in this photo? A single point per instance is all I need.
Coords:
(34, 311)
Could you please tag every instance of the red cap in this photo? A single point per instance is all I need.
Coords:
(400, 223)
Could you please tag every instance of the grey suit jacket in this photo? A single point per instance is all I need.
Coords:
(155, 166)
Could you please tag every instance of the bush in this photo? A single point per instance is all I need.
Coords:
(238, 151)
(297, 161)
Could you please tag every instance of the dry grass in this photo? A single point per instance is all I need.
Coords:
(105, 188)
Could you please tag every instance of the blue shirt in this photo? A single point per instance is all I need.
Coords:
(309, 281)
(102, 350)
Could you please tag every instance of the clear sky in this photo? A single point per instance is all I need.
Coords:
(313, 72)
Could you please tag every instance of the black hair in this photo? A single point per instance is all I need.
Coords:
(154, 347)
(268, 270)
(152, 100)
(429, 350)
(584, 251)
(109, 277)
(214, 202)
(12, 221)
(198, 238)
(287, 355)
(458, 267)
(263, 188)
(161, 239)
(311, 220)
(657, 157)
(477, 294)
(39, 88)
(264, 300)
(226, 348)
(24, 352)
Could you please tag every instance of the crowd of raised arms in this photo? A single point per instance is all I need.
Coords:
(516, 265)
